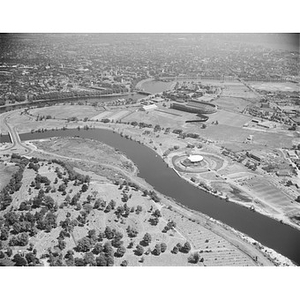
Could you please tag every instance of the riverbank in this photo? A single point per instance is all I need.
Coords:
(118, 128)
(218, 230)
(150, 142)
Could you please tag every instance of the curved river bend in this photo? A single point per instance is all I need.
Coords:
(280, 237)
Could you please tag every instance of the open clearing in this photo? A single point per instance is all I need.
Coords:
(275, 86)
(230, 134)
(232, 104)
(229, 118)
(6, 171)
(268, 192)
(66, 111)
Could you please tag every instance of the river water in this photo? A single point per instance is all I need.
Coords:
(280, 237)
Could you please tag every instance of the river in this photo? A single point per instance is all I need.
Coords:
(280, 237)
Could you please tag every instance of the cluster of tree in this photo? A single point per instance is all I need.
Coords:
(159, 248)
(154, 220)
(157, 128)
(33, 166)
(182, 248)
(67, 226)
(170, 225)
(194, 258)
(146, 239)
(72, 175)
(29, 259)
(19, 240)
(19, 223)
(132, 232)
(177, 131)
(100, 204)
(192, 135)
(91, 246)
(144, 125)
(151, 194)
(123, 211)
(110, 206)
(38, 180)
(15, 182)
(47, 222)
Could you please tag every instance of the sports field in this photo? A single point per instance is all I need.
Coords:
(65, 111)
(229, 118)
(268, 192)
(231, 103)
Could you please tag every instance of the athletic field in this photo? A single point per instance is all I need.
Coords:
(229, 118)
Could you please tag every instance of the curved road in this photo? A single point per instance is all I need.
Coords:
(15, 138)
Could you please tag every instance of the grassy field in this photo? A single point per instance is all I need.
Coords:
(275, 86)
(66, 111)
(268, 192)
(229, 134)
(229, 118)
(232, 104)
(6, 171)
(156, 117)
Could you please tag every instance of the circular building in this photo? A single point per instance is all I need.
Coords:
(195, 158)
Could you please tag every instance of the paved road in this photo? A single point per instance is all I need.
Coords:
(15, 138)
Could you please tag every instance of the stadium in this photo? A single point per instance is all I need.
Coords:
(197, 107)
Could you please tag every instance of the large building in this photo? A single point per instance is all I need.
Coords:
(195, 107)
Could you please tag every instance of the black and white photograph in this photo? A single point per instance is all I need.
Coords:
(123, 144)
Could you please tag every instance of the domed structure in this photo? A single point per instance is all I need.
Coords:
(195, 158)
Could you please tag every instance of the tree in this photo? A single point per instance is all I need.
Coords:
(101, 260)
(19, 260)
(92, 235)
(108, 249)
(110, 260)
(157, 249)
(109, 233)
(120, 251)
(101, 236)
(112, 204)
(79, 262)
(23, 239)
(124, 263)
(147, 239)
(89, 259)
(84, 188)
(175, 250)
(62, 187)
(156, 213)
(61, 244)
(97, 248)
(84, 245)
(186, 247)
(4, 233)
(139, 250)
(31, 259)
(194, 258)
(138, 209)
(163, 247)
(108, 208)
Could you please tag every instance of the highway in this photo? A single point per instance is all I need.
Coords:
(17, 144)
